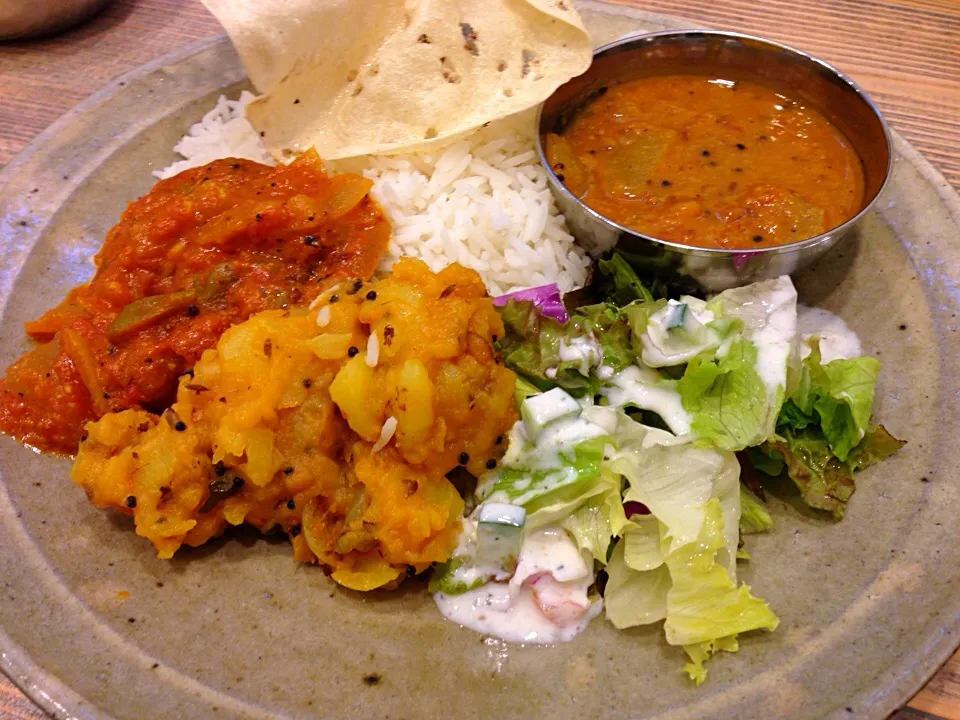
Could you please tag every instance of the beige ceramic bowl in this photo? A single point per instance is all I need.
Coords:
(736, 57)
(21, 19)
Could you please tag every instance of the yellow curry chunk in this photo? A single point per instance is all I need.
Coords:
(337, 423)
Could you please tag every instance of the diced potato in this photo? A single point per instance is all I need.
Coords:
(353, 390)
(369, 573)
(331, 346)
(413, 407)
(277, 428)
(261, 463)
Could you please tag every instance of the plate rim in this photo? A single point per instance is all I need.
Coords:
(44, 688)
(910, 672)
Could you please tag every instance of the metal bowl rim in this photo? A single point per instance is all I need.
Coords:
(788, 248)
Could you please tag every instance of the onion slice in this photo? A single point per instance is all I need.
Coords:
(545, 297)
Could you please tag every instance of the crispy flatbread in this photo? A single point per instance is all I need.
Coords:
(354, 77)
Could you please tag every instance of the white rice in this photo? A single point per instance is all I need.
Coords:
(323, 316)
(373, 349)
(480, 200)
(386, 433)
(223, 132)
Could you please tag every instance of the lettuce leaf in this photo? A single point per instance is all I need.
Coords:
(770, 464)
(675, 479)
(726, 489)
(699, 598)
(612, 331)
(837, 396)
(622, 284)
(634, 597)
(877, 445)
(597, 520)
(638, 315)
(727, 398)
(542, 484)
(701, 652)
(705, 606)
(641, 543)
(532, 342)
(826, 482)
(754, 517)
(673, 482)
(823, 435)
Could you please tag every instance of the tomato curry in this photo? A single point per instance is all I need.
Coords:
(201, 251)
(709, 162)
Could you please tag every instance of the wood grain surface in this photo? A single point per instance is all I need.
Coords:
(905, 53)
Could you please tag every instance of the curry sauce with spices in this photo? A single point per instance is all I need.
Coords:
(201, 251)
(709, 162)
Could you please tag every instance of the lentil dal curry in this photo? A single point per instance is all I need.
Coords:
(709, 162)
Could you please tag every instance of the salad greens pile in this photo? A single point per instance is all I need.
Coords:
(634, 412)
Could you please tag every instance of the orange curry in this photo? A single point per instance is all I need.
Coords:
(201, 251)
(709, 162)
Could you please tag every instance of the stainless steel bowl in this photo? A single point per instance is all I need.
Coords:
(22, 19)
(736, 57)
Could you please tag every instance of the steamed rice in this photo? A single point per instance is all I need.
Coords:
(223, 132)
(480, 200)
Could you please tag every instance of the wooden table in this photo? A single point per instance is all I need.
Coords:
(906, 53)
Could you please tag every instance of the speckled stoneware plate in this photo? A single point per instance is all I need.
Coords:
(869, 607)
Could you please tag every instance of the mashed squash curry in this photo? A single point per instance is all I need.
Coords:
(338, 424)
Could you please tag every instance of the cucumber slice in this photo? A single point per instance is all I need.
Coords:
(502, 514)
(456, 576)
(538, 411)
(675, 315)
(500, 535)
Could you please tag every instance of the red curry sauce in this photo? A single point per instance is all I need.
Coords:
(709, 162)
(201, 251)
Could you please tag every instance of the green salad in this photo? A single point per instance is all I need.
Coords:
(633, 473)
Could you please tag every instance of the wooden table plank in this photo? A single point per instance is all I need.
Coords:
(905, 53)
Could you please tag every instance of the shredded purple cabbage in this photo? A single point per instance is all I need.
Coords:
(546, 298)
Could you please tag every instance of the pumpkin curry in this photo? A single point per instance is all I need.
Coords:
(708, 162)
(231, 362)
(337, 425)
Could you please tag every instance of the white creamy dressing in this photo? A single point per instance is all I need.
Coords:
(557, 439)
(770, 323)
(565, 433)
(583, 350)
(545, 602)
(550, 550)
(540, 410)
(633, 386)
(664, 346)
(466, 546)
(517, 444)
(837, 340)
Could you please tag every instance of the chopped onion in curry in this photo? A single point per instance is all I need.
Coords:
(201, 251)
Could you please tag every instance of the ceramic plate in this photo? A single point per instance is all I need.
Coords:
(869, 607)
